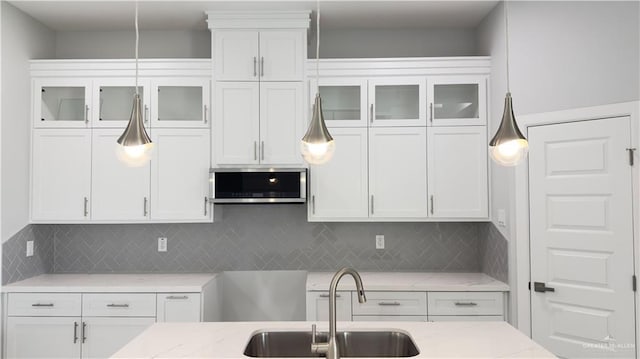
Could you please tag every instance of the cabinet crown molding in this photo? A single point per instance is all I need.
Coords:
(258, 20)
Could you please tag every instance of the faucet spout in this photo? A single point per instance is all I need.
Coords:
(331, 348)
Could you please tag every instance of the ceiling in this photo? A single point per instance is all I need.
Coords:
(189, 15)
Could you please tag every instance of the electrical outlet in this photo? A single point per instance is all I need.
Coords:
(502, 218)
(29, 248)
(379, 241)
(162, 244)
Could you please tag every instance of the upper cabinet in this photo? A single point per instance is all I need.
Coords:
(344, 101)
(397, 101)
(114, 100)
(180, 102)
(62, 102)
(457, 100)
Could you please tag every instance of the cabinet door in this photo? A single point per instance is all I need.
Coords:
(179, 307)
(281, 121)
(119, 193)
(180, 103)
(61, 174)
(458, 185)
(61, 103)
(235, 55)
(344, 101)
(114, 101)
(398, 172)
(236, 122)
(103, 336)
(282, 55)
(318, 306)
(43, 337)
(397, 101)
(180, 175)
(339, 188)
(457, 100)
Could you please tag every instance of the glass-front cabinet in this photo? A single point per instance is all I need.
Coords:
(397, 101)
(344, 101)
(62, 103)
(457, 100)
(180, 103)
(114, 101)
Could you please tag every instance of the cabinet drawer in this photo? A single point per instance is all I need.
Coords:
(465, 303)
(119, 305)
(44, 304)
(391, 303)
(466, 318)
(389, 318)
(178, 307)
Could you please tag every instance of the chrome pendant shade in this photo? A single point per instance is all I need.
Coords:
(508, 146)
(317, 144)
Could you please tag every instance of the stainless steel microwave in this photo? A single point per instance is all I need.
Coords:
(258, 185)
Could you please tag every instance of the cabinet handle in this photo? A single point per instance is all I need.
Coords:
(313, 208)
(431, 200)
(431, 112)
(205, 113)
(113, 305)
(84, 332)
(86, 206)
(177, 297)
(75, 332)
(465, 304)
(326, 295)
(372, 211)
(145, 206)
(262, 150)
(42, 305)
(389, 304)
(255, 60)
(146, 114)
(255, 150)
(206, 203)
(262, 66)
(371, 113)
(86, 113)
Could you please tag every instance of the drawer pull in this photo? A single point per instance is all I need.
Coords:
(42, 305)
(326, 295)
(84, 332)
(113, 305)
(178, 297)
(75, 332)
(389, 304)
(466, 304)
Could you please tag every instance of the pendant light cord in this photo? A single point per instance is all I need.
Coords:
(506, 40)
(137, 40)
(318, 46)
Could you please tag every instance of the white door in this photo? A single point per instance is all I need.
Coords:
(104, 336)
(397, 101)
(339, 188)
(180, 102)
(344, 101)
(62, 102)
(458, 172)
(281, 122)
(457, 100)
(178, 307)
(43, 337)
(118, 192)
(282, 55)
(61, 174)
(582, 239)
(114, 101)
(180, 175)
(236, 124)
(235, 55)
(398, 172)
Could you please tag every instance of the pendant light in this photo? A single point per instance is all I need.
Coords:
(134, 145)
(317, 145)
(509, 145)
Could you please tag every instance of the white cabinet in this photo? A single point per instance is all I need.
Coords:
(391, 304)
(457, 100)
(61, 102)
(318, 306)
(119, 192)
(339, 187)
(265, 55)
(61, 174)
(258, 123)
(114, 100)
(179, 175)
(179, 307)
(398, 172)
(180, 103)
(103, 336)
(397, 101)
(56, 337)
(344, 101)
(458, 185)
(476, 306)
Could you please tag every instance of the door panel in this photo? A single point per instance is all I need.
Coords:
(282, 55)
(582, 239)
(40, 337)
(105, 336)
(235, 55)
(280, 122)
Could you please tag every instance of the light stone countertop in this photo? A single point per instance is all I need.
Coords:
(411, 281)
(227, 340)
(152, 282)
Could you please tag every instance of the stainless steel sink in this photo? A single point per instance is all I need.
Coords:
(360, 344)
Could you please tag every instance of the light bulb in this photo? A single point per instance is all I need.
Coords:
(510, 153)
(134, 156)
(317, 153)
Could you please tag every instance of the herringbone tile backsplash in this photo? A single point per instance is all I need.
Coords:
(258, 237)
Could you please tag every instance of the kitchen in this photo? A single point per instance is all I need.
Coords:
(280, 237)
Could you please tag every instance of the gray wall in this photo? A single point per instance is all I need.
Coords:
(23, 38)
(16, 265)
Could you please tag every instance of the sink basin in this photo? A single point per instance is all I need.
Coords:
(355, 344)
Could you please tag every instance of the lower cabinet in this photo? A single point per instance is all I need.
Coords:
(318, 305)
(179, 307)
(103, 336)
(57, 337)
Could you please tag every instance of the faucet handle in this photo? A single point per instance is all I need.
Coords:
(313, 334)
(320, 348)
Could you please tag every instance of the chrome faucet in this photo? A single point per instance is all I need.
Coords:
(330, 349)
